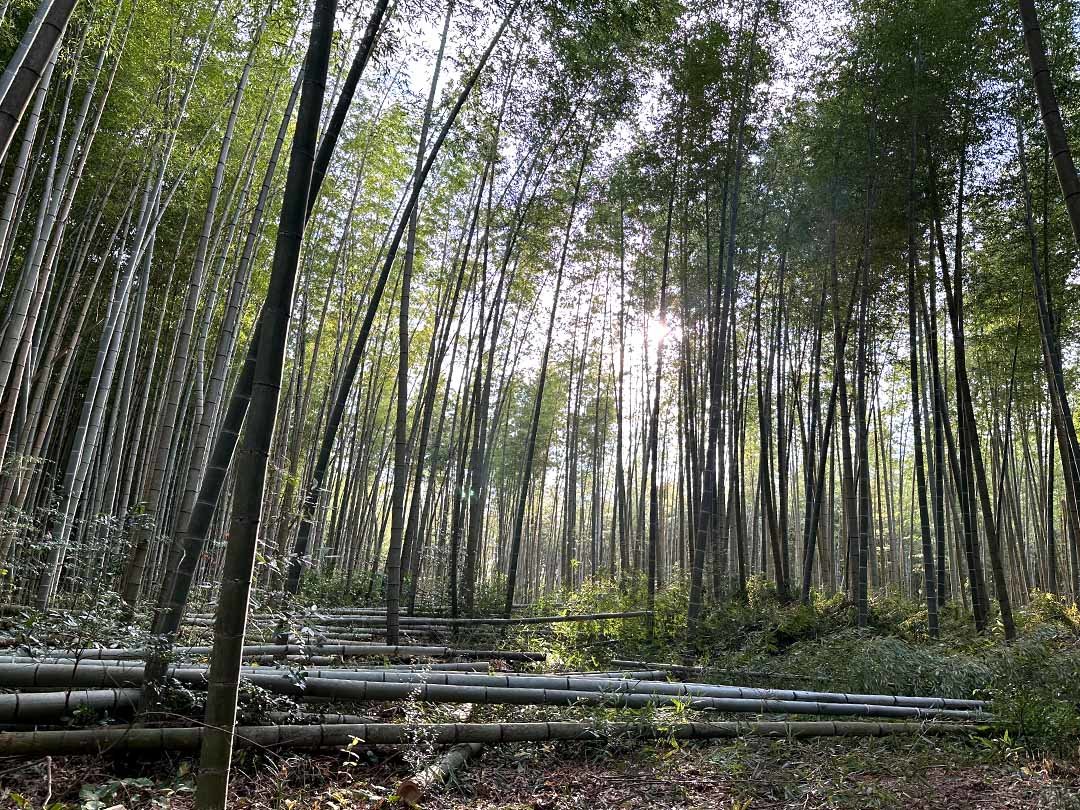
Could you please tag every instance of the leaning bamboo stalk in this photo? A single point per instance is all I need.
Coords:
(94, 741)
(411, 790)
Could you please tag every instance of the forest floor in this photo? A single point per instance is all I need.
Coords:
(744, 774)
(1033, 684)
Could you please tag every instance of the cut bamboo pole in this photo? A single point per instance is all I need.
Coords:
(368, 690)
(377, 618)
(681, 669)
(641, 686)
(506, 689)
(94, 741)
(113, 674)
(432, 622)
(317, 718)
(641, 675)
(343, 650)
(430, 611)
(411, 790)
(49, 706)
(520, 696)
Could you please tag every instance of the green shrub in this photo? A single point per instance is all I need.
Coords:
(1035, 689)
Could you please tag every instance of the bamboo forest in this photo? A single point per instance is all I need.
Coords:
(540, 404)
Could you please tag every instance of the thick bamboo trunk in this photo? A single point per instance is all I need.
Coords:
(257, 442)
(47, 707)
(37, 50)
(1051, 114)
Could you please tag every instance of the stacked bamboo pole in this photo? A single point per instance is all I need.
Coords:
(387, 651)
(441, 687)
(94, 741)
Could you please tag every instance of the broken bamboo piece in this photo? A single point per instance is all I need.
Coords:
(411, 790)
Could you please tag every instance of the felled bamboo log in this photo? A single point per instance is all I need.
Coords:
(411, 790)
(342, 650)
(507, 689)
(49, 706)
(317, 718)
(682, 669)
(517, 696)
(436, 666)
(366, 690)
(434, 621)
(111, 674)
(640, 686)
(333, 635)
(641, 675)
(316, 613)
(93, 741)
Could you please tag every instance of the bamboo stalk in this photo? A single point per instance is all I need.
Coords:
(108, 674)
(95, 741)
(411, 790)
(685, 670)
(343, 650)
(642, 686)
(431, 621)
(511, 689)
(48, 706)
(344, 689)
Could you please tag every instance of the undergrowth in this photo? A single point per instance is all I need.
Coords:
(1032, 683)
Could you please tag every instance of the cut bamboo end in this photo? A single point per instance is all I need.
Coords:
(412, 790)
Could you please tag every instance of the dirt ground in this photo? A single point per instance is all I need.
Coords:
(735, 775)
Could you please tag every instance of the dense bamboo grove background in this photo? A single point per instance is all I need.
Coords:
(692, 293)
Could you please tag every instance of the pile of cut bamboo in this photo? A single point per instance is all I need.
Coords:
(41, 691)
